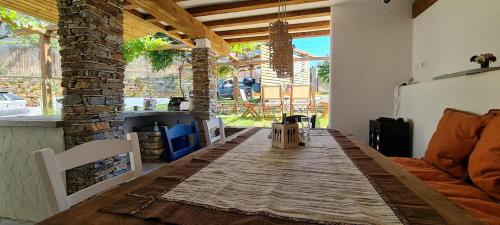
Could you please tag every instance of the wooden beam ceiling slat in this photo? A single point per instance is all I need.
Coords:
(137, 24)
(294, 35)
(321, 25)
(241, 6)
(177, 17)
(293, 15)
(42, 10)
(419, 6)
(157, 27)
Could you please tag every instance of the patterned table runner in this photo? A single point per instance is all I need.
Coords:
(329, 181)
(312, 184)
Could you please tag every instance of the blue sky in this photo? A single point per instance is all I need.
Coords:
(319, 46)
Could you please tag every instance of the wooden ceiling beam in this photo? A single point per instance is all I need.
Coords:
(294, 35)
(241, 6)
(177, 17)
(162, 28)
(292, 15)
(321, 25)
(419, 6)
(128, 6)
(295, 59)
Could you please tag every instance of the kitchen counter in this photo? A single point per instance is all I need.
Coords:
(20, 182)
(56, 121)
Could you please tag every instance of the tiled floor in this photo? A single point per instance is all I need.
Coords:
(14, 222)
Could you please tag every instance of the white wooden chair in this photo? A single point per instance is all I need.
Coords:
(51, 167)
(211, 127)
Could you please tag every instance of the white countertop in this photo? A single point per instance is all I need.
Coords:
(56, 121)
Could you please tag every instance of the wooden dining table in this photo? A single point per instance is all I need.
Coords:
(89, 211)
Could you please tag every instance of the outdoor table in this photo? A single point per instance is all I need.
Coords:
(420, 202)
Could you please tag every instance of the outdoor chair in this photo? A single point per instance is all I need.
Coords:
(301, 96)
(272, 97)
(51, 166)
(249, 107)
(177, 140)
(214, 130)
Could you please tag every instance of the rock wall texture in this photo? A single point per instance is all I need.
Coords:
(22, 194)
(30, 89)
(150, 142)
(91, 40)
(204, 101)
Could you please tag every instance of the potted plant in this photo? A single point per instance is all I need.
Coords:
(149, 103)
(484, 59)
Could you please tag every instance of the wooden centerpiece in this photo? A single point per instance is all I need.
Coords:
(285, 136)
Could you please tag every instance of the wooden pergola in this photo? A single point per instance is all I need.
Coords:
(220, 21)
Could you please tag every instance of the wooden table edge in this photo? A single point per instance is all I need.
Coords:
(92, 204)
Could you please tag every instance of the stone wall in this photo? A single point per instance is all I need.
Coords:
(91, 40)
(204, 101)
(150, 143)
(29, 88)
(161, 87)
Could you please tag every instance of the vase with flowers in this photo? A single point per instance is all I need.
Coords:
(149, 103)
(484, 59)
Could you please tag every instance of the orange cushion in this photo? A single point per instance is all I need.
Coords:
(422, 169)
(485, 211)
(456, 136)
(484, 162)
(458, 189)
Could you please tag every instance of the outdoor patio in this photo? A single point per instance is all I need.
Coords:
(210, 112)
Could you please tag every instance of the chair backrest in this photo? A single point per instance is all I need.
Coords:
(175, 137)
(243, 95)
(51, 166)
(272, 93)
(300, 91)
(211, 127)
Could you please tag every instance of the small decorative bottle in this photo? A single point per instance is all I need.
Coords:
(155, 127)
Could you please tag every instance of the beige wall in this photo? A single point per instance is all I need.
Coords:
(424, 103)
(22, 194)
(371, 55)
(445, 36)
(451, 31)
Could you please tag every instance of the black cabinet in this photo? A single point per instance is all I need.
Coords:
(391, 137)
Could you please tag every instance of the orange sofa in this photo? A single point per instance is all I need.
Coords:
(464, 194)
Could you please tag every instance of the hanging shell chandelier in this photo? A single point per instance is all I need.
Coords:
(280, 45)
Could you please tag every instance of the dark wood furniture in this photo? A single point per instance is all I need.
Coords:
(390, 137)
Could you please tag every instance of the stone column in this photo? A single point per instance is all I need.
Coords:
(204, 101)
(91, 40)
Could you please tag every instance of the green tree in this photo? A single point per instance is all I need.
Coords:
(246, 51)
(324, 71)
(225, 71)
(10, 21)
(154, 48)
(244, 48)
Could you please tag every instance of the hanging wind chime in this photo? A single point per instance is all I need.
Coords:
(280, 44)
